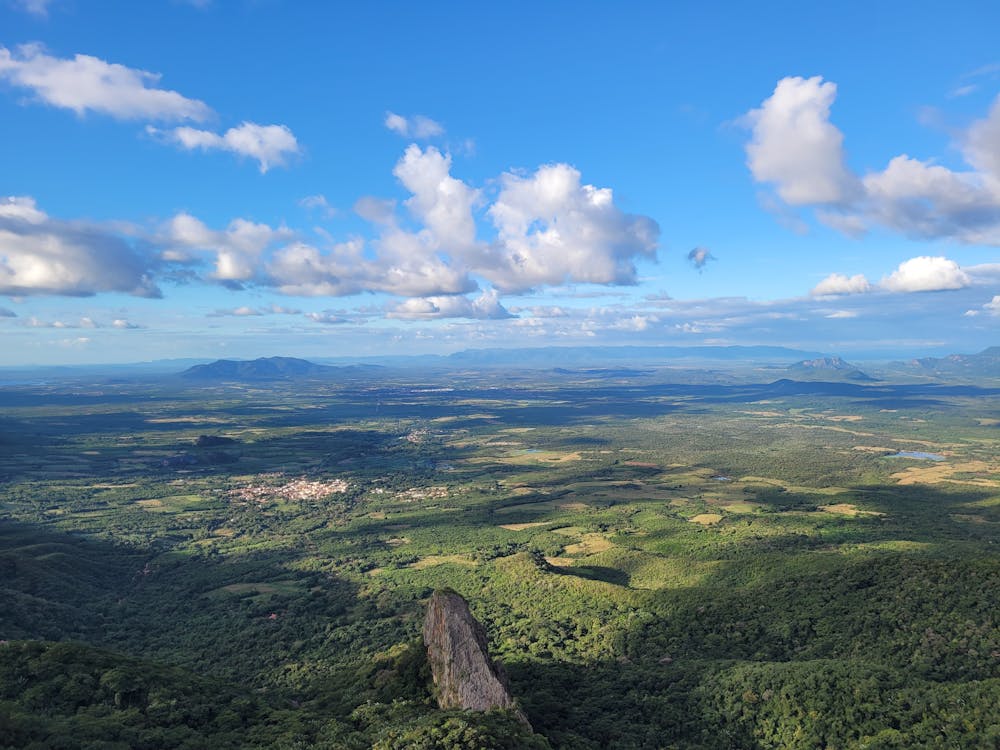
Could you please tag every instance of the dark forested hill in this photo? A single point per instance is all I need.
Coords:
(265, 368)
(270, 368)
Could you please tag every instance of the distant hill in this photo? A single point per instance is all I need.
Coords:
(986, 362)
(270, 368)
(828, 369)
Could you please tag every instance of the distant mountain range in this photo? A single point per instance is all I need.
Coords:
(269, 368)
(829, 369)
(556, 358)
(573, 357)
(986, 362)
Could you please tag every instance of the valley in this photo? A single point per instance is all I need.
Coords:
(658, 564)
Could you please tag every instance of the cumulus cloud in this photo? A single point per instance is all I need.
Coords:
(416, 126)
(485, 307)
(920, 274)
(302, 269)
(549, 228)
(838, 283)
(699, 256)
(926, 274)
(88, 84)
(795, 147)
(124, 324)
(237, 248)
(270, 145)
(442, 203)
(41, 255)
(552, 230)
(421, 263)
(402, 266)
(927, 201)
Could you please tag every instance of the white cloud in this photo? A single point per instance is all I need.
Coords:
(34, 322)
(21, 207)
(301, 269)
(375, 210)
(838, 283)
(550, 229)
(318, 203)
(123, 324)
(440, 202)
(270, 145)
(78, 343)
(635, 322)
(842, 314)
(406, 265)
(553, 230)
(327, 318)
(237, 249)
(926, 274)
(993, 306)
(247, 311)
(88, 84)
(486, 307)
(41, 255)
(982, 142)
(927, 201)
(795, 146)
(542, 311)
(84, 322)
(416, 126)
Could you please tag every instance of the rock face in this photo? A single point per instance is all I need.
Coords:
(463, 672)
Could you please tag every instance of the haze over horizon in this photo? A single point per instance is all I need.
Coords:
(205, 179)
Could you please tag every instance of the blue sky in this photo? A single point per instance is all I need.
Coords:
(254, 177)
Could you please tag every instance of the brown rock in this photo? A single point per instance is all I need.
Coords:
(463, 672)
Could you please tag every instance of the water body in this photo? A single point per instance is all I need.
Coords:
(919, 455)
(722, 479)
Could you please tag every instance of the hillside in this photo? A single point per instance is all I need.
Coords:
(270, 368)
(827, 369)
(984, 364)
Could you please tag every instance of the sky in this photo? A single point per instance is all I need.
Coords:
(244, 178)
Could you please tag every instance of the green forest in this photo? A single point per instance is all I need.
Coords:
(736, 564)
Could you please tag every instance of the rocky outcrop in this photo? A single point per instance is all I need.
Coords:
(463, 672)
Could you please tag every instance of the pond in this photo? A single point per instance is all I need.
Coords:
(918, 454)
